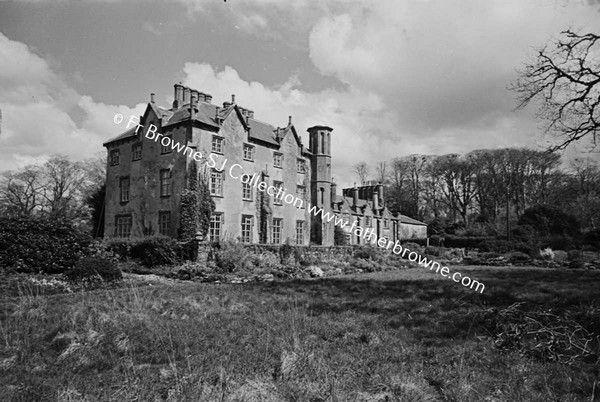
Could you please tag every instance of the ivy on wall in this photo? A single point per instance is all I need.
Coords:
(197, 205)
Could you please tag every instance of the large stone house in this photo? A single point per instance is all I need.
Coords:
(145, 177)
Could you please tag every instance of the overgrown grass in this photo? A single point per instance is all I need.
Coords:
(404, 335)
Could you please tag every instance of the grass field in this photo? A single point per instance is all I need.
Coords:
(390, 336)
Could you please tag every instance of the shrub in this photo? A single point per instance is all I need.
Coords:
(498, 246)
(153, 251)
(230, 256)
(436, 240)
(547, 254)
(518, 257)
(434, 251)
(367, 253)
(574, 255)
(466, 242)
(339, 236)
(547, 220)
(89, 267)
(40, 245)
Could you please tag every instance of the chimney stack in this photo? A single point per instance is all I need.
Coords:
(196, 94)
(380, 192)
(354, 196)
(207, 98)
(193, 107)
(250, 114)
(233, 99)
(217, 110)
(152, 97)
(201, 96)
(178, 96)
(289, 120)
(375, 201)
(186, 95)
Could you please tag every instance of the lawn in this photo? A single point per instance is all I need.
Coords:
(406, 335)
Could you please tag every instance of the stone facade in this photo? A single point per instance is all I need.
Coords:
(145, 178)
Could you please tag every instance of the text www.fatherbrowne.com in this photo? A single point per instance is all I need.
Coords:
(279, 193)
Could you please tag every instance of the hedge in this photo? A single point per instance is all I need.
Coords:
(40, 245)
(153, 251)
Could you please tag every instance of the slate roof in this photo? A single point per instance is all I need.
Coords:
(206, 114)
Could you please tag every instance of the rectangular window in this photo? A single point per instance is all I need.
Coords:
(123, 225)
(136, 152)
(300, 164)
(166, 149)
(277, 226)
(248, 152)
(165, 182)
(386, 224)
(217, 144)
(301, 192)
(216, 183)
(299, 232)
(114, 157)
(367, 221)
(216, 223)
(246, 188)
(124, 189)
(164, 223)
(278, 185)
(247, 228)
(277, 159)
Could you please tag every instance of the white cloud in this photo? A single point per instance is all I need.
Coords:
(36, 111)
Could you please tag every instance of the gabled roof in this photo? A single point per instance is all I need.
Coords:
(127, 134)
(262, 131)
(410, 221)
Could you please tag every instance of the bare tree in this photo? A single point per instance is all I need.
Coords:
(564, 80)
(21, 192)
(382, 172)
(362, 171)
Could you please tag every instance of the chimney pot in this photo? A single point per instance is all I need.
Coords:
(233, 98)
(354, 196)
(201, 96)
(289, 120)
(186, 95)
(251, 114)
(178, 96)
(152, 97)
(208, 98)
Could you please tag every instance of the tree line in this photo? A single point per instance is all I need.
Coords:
(479, 190)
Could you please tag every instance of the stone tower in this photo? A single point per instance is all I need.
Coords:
(320, 181)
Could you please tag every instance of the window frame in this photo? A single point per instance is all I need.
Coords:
(112, 158)
(300, 232)
(161, 215)
(251, 150)
(277, 201)
(221, 180)
(277, 224)
(300, 166)
(247, 189)
(134, 151)
(217, 140)
(275, 159)
(118, 225)
(215, 226)
(124, 191)
(246, 228)
(166, 149)
(165, 183)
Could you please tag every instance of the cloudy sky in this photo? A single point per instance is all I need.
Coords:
(391, 77)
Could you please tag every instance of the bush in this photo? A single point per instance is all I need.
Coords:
(153, 251)
(339, 236)
(89, 267)
(547, 254)
(230, 256)
(549, 220)
(367, 253)
(466, 242)
(497, 246)
(40, 245)
(518, 257)
(433, 251)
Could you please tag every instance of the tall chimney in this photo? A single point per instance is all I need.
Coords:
(375, 201)
(195, 93)
(233, 99)
(333, 190)
(354, 196)
(186, 95)
(208, 98)
(178, 96)
(152, 97)
(193, 107)
(217, 110)
(380, 192)
(289, 120)
(201, 97)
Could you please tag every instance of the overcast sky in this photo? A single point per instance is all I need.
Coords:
(391, 77)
